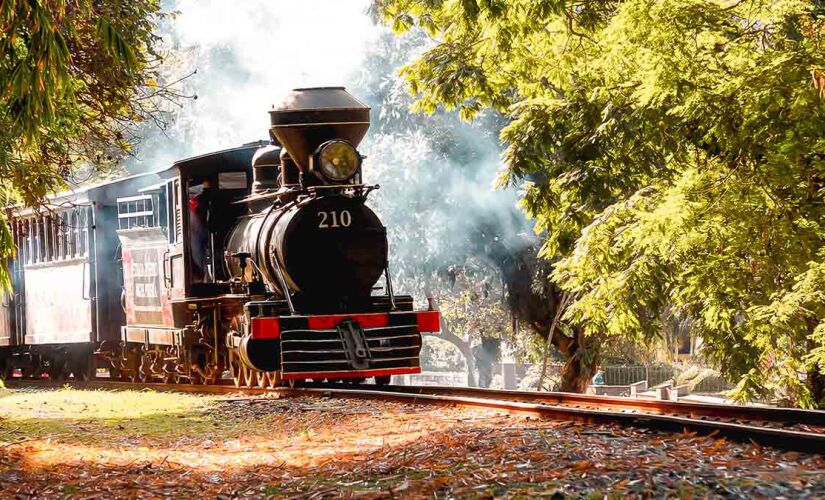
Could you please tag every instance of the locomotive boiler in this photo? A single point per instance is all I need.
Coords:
(263, 263)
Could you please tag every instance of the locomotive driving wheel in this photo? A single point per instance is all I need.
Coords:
(263, 380)
(238, 375)
(274, 379)
(131, 364)
(250, 376)
(144, 373)
(269, 380)
(236, 369)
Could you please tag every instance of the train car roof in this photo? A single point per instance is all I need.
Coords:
(132, 180)
(108, 191)
(234, 158)
(102, 192)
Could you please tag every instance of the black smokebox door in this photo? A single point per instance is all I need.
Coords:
(335, 247)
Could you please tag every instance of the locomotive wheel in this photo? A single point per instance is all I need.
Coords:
(238, 375)
(170, 367)
(383, 380)
(239, 372)
(145, 370)
(249, 375)
(263, 379)
(210, 378)
(213, 375)
(274, 379)
(130, 364)
(236, 369)
(268, 380)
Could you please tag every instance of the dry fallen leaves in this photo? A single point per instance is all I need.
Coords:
(317, 447)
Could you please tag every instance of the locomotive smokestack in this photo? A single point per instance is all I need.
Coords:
(309, 117)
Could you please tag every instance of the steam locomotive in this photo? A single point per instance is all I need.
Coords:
(260, 262)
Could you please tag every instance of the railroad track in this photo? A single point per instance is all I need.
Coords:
(784, 428)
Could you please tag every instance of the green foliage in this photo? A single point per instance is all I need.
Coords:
(441, 355)
(672, 153)
(73, 78)
(473, 302)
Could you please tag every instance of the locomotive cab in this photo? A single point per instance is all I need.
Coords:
(171, 238)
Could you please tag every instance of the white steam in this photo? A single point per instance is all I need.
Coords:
(248, 55)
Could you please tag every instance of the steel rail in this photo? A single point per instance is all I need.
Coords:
(780, 438)
(542, 405)
(790, 416)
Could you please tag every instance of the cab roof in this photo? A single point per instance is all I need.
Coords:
(239, 158)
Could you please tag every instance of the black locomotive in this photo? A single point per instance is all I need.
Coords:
(260, 261)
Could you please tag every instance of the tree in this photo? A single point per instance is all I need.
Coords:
(75, 78)
(673, 157)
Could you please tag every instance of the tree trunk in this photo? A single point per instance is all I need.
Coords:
(545, 356)
(582, 359)
(816, 378)
(816, 383)
(548, 341)
(463, 346)
(534, 299)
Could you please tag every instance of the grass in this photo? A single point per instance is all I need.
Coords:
(53, 436)
(92, 416)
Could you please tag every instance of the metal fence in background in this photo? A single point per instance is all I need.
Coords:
(626, 375)
(712, 385)
(456, 379)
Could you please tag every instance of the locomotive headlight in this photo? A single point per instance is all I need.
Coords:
(337, 160)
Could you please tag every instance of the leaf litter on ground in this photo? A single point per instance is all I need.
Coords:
(101, 444)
